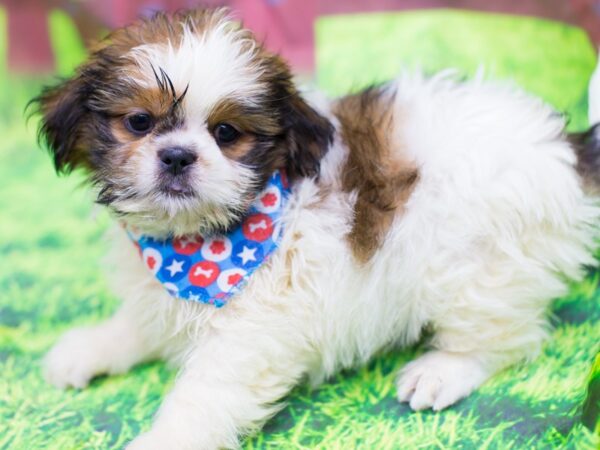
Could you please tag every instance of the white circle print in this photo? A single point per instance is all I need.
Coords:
(216, 249)
(152, 259)
(229, 279)
(269, 200)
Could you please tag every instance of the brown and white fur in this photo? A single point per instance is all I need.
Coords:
(419, 204)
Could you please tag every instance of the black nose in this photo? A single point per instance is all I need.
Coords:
(176, 159)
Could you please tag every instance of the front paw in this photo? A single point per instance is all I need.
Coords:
(75, 359)
(438, 379)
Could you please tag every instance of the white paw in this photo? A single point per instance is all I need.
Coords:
(439, 379)
(75, 359)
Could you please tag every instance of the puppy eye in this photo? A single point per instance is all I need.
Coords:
(140, 123)
(225, 134)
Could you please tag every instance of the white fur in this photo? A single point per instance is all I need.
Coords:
(495, 226)
(216, 63)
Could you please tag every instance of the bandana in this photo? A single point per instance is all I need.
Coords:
(210, 269)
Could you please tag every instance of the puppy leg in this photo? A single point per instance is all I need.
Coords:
(227, 388)
(473, 340)
(111, 347)
(440, 378)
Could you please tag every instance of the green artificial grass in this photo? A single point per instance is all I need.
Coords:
(591, 408)
(50, 280)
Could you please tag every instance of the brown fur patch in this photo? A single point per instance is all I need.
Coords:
(152, 101)
(241, 148)
(121, 134)
(248, 120)
(375, 169)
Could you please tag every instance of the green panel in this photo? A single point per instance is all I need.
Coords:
(3, 42)
(69, 50)
(550, 59)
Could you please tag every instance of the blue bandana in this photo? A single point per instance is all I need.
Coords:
(210, 269)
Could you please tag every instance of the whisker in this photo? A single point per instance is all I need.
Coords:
(166, 80)
(160, 83)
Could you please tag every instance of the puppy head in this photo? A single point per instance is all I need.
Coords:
(180, 120)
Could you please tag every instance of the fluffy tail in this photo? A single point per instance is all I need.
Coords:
(587, 144)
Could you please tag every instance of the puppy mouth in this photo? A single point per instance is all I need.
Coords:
(176, 187)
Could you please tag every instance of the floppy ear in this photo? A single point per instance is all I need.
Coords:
(308, 137)
(63, 111)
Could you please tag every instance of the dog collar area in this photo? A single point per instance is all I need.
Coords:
(211, 269)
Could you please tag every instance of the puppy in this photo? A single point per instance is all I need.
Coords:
(418, 204)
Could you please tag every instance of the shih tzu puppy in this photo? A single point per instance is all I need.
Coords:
(262, 239)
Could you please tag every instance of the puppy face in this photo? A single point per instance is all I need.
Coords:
(179, 121)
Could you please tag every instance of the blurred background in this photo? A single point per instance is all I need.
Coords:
(43, 36)
(51, 235)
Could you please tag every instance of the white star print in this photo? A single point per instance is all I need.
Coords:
(175, 267)
(247, 254)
